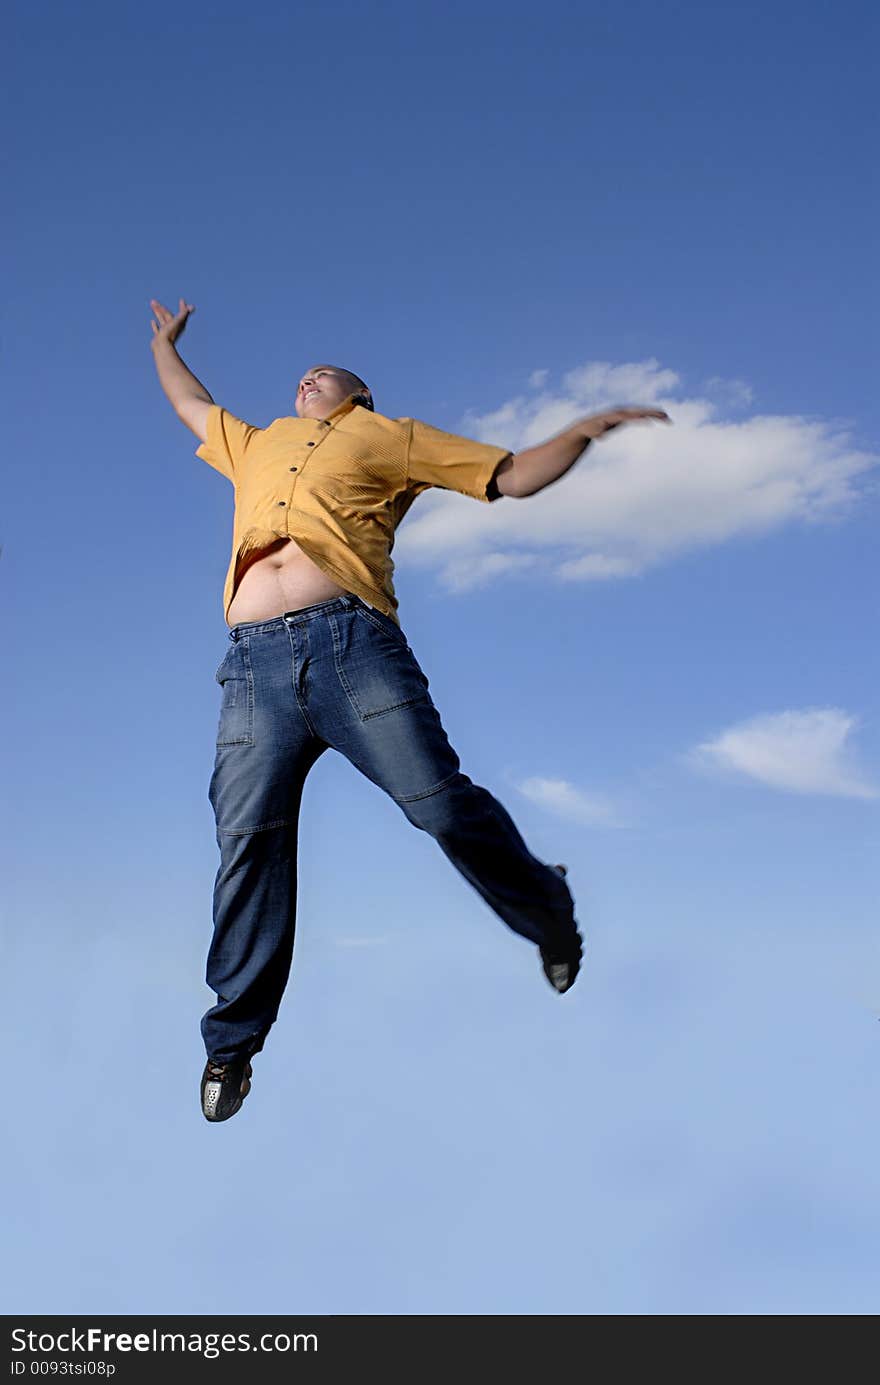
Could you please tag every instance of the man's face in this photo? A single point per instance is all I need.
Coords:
(322, 388)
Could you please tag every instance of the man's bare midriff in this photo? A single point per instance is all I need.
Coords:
(280, 579)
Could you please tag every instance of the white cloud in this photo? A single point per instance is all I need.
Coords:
(465, 573)
(599, 383)
(645, 493)
(733, 394)
(538, 378)
(565, 801)
(595, 567)
(802, 752)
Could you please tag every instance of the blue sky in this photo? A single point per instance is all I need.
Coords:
(665, 666)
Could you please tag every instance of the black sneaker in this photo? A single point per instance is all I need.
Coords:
(563, 962)
(224, 1087)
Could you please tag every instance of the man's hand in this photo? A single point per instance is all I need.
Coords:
(597, 425)
(167, 325)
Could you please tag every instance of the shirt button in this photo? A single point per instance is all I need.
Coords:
(282, 502)
(293, 468)
(310, 444)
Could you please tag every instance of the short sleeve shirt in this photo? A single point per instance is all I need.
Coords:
(339, 487)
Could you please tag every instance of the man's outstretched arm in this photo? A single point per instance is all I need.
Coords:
(526, 473)
(187, 395)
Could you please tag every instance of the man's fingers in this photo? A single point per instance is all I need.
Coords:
(640, 413)
(637, 415)
(170, 324)
(165, 315)
(613, 418)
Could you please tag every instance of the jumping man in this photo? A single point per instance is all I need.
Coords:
(317, 658)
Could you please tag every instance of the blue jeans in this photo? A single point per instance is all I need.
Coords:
(337, 674)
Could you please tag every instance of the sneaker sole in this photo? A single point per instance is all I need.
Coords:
(562, 975)
(211, 1095)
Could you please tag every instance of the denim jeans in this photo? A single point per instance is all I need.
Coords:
(337, 674)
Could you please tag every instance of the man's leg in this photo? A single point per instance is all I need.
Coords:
(378, 712)
(265, 748)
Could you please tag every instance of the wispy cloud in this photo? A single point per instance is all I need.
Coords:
(646, 492)
(731, 394)
(566, 801)
(596, 567)
(469, 571)
(806, 752)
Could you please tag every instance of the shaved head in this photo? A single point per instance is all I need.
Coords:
(354, 380)
(324, 387)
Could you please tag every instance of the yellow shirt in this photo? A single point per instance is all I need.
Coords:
(339, 487)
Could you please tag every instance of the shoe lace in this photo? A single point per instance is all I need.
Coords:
(217, 1071)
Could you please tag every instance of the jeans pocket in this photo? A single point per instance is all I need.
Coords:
(236, 679)
(382, 623)
(375, 665)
